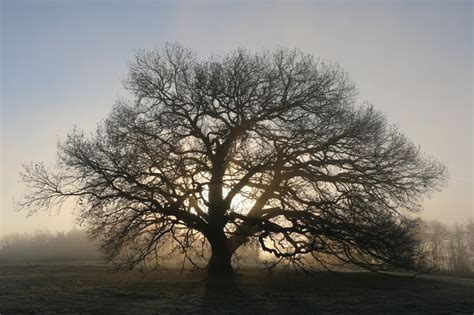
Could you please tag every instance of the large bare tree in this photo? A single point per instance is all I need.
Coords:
(268, 146)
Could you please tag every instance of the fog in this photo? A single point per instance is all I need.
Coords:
(63, 64)
(442, 249)
(42, 246)
(77, 246)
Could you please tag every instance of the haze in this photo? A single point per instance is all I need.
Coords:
(63, 64)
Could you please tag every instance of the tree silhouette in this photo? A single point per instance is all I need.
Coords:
(268, 146)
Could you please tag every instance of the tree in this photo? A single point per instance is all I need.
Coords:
(446, 248)
(268, 146)
(435, 237)
(458, 250)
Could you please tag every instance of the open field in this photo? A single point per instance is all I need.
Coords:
(88, 288)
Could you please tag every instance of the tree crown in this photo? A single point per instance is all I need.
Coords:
(267, 145)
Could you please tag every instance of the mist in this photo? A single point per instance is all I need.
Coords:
(442, 249)
(413, 61)
(216, 157)
(43, 246)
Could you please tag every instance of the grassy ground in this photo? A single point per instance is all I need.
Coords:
(70, 288)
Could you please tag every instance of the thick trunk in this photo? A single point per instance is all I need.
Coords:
(220, 262)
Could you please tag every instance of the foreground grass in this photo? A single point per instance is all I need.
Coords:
(93, 289)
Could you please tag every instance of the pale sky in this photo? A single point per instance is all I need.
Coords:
(62, 64)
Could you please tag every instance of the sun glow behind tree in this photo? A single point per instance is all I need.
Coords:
(269, 147)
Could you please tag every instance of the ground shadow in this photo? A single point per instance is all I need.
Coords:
(223, 293)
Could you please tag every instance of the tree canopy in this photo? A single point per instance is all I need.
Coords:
(270, 146)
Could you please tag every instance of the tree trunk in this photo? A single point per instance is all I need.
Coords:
(220, 262)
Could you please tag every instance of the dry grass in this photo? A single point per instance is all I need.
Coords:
(73, 288)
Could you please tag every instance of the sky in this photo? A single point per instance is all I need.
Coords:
(63, 63)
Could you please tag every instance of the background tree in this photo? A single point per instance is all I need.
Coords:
(446, 249)
(434, 237)
(269, 146)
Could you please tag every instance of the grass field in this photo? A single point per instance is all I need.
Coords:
(89, 288)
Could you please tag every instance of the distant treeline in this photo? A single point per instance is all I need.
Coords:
(442, 248)
(448, 249)
(46, 246)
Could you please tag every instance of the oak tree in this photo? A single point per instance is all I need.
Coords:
(268, 146)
